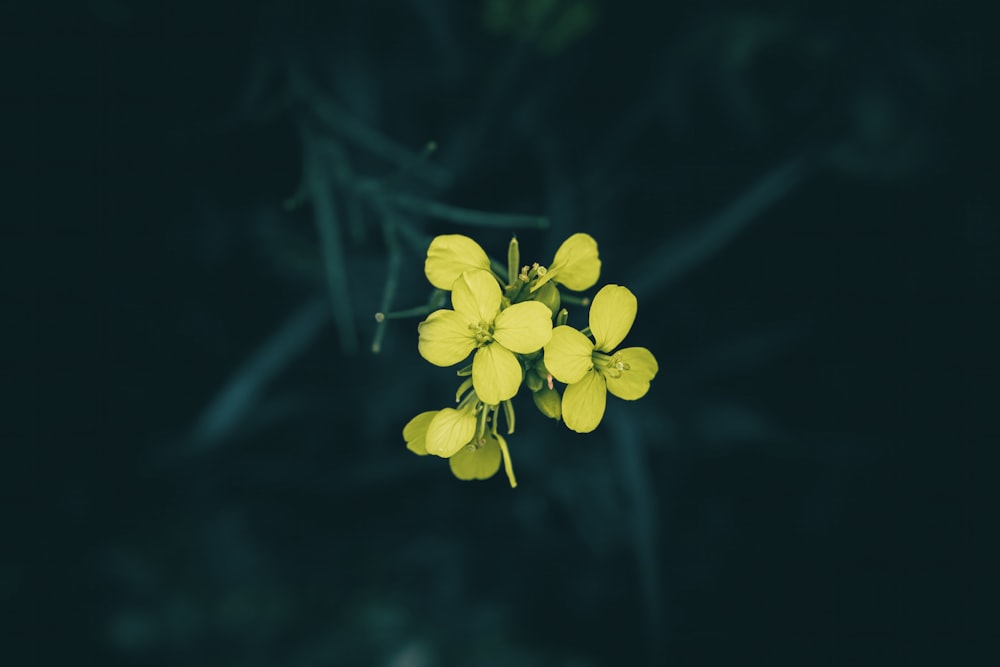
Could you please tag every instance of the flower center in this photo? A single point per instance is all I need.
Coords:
(611, 365)
(483, 332)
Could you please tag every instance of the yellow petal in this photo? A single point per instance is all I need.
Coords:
(524, 327)
(583, 403)
(477, 463)
(611, 316)
(476, 296)
(449, 431)
(576, 264)
(568, 356)
(415, 432)
(445, 338)
(449, 256)
(496, 373)
(633, 381)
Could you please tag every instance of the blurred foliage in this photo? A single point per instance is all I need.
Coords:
(553, 24)
(783, 186)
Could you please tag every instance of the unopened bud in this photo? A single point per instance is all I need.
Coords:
(533, 380)
(548, 402)
(549, 295)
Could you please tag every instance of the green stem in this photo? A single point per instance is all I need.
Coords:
(507, 465)
(350, 129)
(416, 311)
(333, 254)
(575, 300)
(391, 276)
(508, 413)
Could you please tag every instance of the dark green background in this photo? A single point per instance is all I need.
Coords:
(801, 194)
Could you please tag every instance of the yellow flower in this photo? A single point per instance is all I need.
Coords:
(415, 432)
(451, 434)
(576, 264)
(591, 369)
(449, 256)
(477, 323)
(477, 461)
(450, 430)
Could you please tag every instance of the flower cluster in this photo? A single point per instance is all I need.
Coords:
(515, 328)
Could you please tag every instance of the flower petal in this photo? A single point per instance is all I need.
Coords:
(633, 382)
(583, 403)
(449, 256)
(449, 431)
(476, 295)
(415, 432)
(496, 373)
(445, 338)
(524, 327)
(576, 264)
(611, 316)
(477, 463)
(568, 355)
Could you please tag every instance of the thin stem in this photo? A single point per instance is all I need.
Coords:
(462, 388)
(353, 130)
(507, 465)
(236, 400)
(344, 172)
(416, 311)
(391, 276)
(405, 170)
(318, 186)
(575, 300)
(508, 413)
(465, 216)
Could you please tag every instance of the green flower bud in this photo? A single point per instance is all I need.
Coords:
(513, 260)
(549, 295)
(533, 380)
(548, 402)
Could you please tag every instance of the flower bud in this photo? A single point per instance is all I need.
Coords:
(548, 402)
(549, 295)
(533, 380)
(513, 260)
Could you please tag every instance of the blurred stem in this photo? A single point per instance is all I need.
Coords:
(344, 171)
(679, 255)
(464, 216)
(226, 411)
(350, 129)
(317, 183)
(392, 275)
(575, 300)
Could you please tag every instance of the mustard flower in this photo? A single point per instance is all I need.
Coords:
(478, 323)
(592, 369)
(415, 432)
(477, 460)
(451, 429)
(451, 255)
(575, 265)
(438, 431)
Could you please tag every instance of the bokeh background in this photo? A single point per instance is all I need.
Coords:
(800, 194)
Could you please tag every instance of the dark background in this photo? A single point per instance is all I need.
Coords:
(800, 194)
